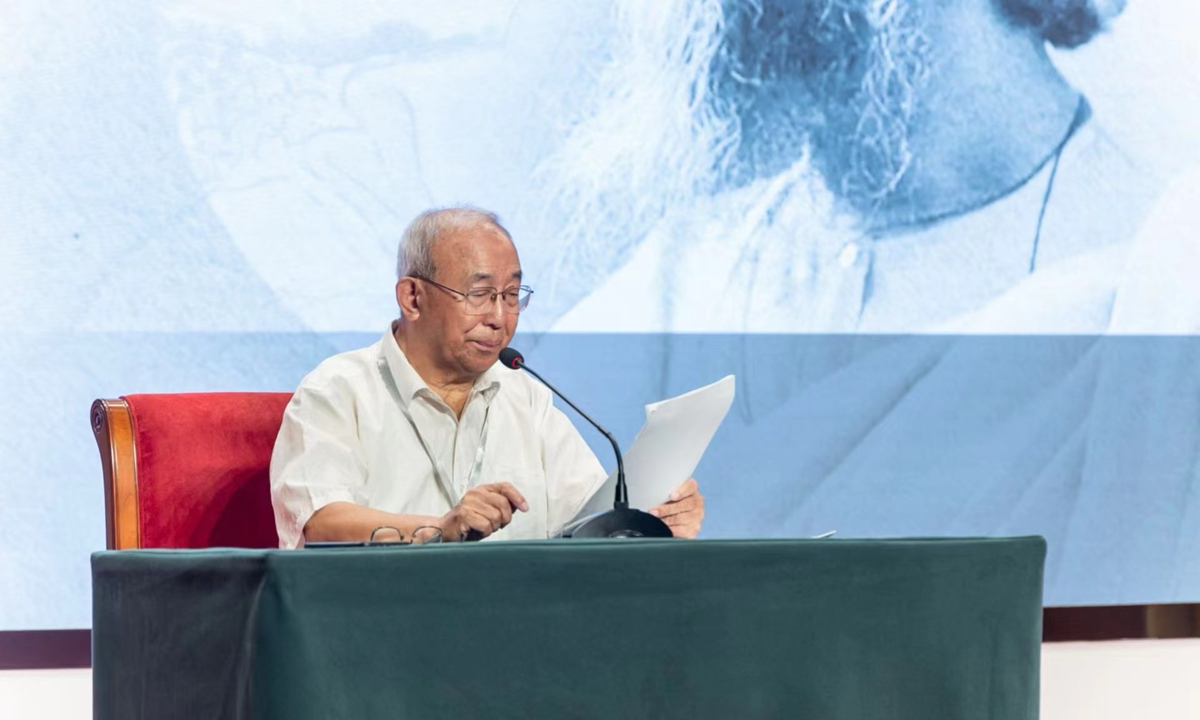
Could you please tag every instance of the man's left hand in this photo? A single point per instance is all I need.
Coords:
(684, 511)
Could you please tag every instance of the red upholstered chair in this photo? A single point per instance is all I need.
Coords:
(188, 470)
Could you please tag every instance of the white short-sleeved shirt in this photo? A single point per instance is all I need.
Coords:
(364, 428)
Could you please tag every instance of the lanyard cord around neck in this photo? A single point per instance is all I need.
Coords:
(447, 483)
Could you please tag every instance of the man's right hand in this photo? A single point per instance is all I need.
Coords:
(482, 511)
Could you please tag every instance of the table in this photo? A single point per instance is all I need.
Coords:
(862, 629)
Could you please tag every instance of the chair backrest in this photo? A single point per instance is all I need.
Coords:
(188, 470)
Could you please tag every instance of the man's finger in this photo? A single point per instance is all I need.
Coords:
(690, 530)
(502, 504)
(684, 519)
(685, 525)
(480, 523)
(466, 531)
(686, 488)
(494, 498)
(514, 495)
(479, 505)
(686, 505)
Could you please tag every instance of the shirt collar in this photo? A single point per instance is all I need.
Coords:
(409, 382)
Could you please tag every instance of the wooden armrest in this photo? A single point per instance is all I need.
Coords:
(112, 425)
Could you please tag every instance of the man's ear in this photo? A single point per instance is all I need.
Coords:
(408, 298)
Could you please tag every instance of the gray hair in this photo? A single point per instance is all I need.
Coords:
(415, 256)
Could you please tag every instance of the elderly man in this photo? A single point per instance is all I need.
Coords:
(424, 429)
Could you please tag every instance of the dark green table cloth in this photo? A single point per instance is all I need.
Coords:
(834, 629)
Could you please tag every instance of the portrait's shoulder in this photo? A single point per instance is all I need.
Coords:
(1092, 143)
(1100, 196)
(1094, 159)
(1158, 294)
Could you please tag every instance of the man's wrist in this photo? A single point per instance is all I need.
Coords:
(448, 527)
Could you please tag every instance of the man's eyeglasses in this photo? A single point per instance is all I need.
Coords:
(388, 535)
(481, 300)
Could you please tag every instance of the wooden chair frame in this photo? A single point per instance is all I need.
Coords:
(112, 424)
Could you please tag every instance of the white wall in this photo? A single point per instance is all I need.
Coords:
(1124, 680)
(46, 694)
(1121, 680)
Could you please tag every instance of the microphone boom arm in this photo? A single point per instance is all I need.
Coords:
(622, 497)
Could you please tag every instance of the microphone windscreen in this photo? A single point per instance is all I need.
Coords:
(511, 357)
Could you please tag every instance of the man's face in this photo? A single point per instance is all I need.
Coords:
(468, 344)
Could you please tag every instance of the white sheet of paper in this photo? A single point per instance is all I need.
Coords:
(668, 448)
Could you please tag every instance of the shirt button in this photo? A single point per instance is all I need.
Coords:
(848, 256)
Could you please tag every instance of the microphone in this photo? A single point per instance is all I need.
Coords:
(621, 521)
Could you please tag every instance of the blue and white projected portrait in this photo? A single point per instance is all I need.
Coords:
(948, 247)
(851, 166)
(887, 168)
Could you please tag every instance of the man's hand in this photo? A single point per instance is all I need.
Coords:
(684, 511)
(481, 512)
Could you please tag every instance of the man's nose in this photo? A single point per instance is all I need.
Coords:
(495, 315)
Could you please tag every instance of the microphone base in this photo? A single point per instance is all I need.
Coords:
(627, 523)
